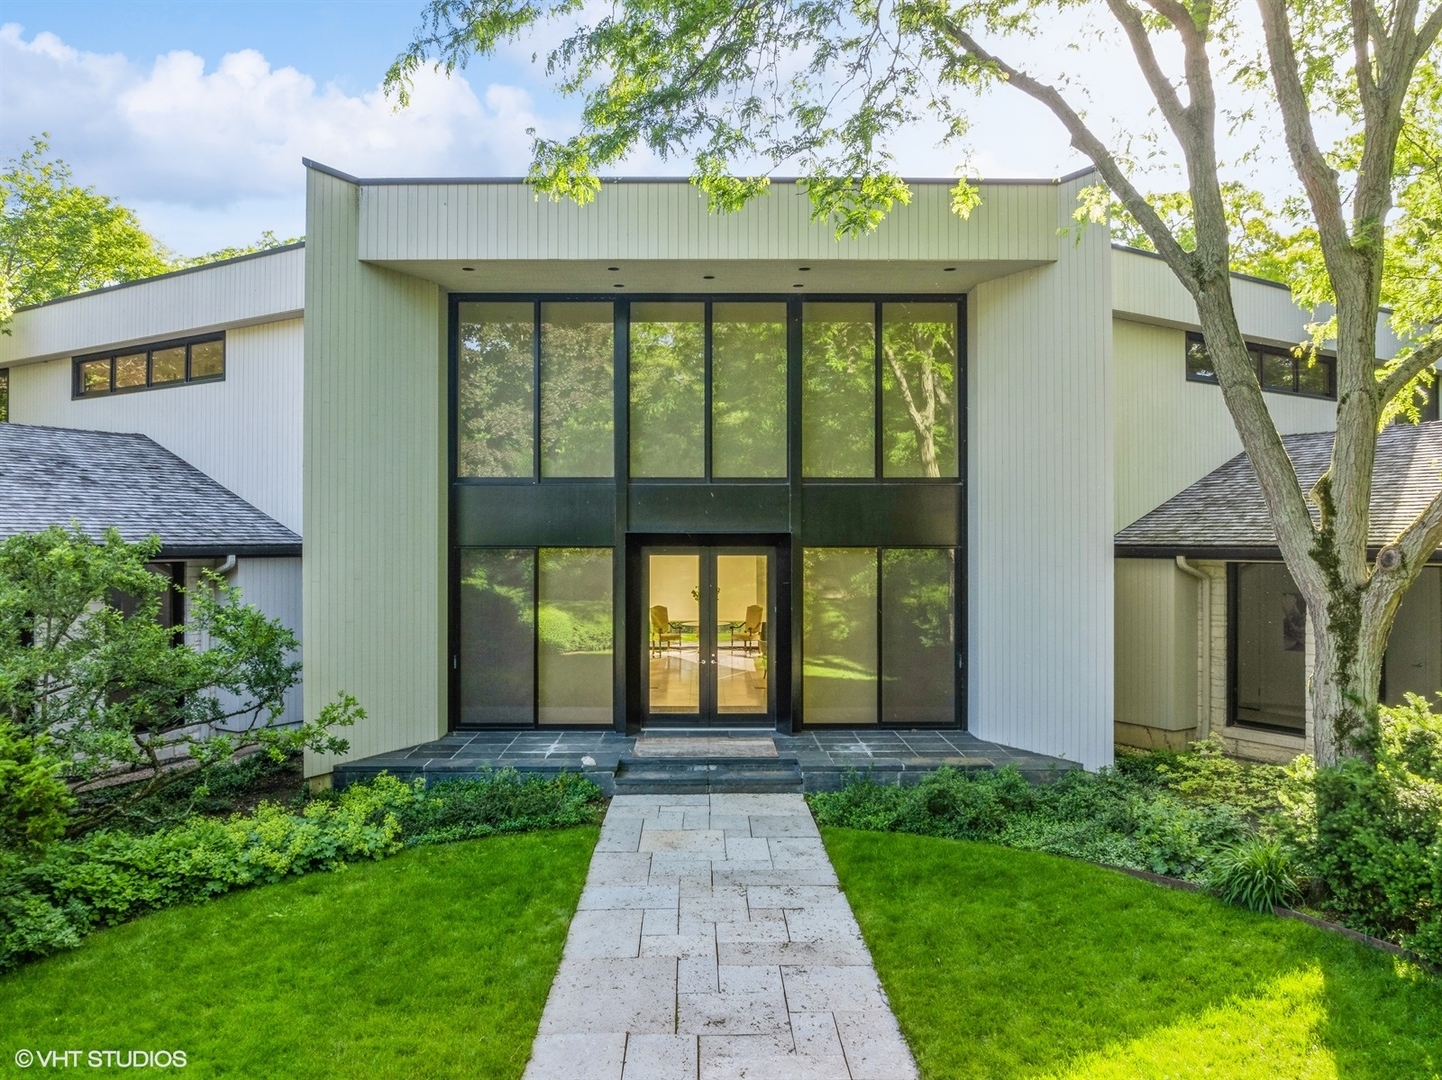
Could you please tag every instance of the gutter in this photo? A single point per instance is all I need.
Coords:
(1204, 626)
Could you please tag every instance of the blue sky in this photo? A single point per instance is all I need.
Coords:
(197, 113)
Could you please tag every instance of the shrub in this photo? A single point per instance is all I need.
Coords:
(1378, 842)
(34, 800)
(1123, 816)
(498, 802)
(50, 901)
(1256, 873)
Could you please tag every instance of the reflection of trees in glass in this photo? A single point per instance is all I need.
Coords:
(574, 673)
(668, 389)
(748, 391)
(838, 371)
(918, 389)
(839, 635)
(917, 639)
(576, 390)
(497, 648)
(574, 610)
(494, 403)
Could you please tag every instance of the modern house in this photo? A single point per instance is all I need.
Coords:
(633, 466)
(186, 393)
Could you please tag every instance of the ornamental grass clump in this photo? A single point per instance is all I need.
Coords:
(1256, 873)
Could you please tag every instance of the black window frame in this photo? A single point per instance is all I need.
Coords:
(1233, 664)
(1259, 352)
(4, 395)
(621, 343)
(77, 364)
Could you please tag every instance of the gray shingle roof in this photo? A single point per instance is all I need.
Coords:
(53, 476)
(1224, 510)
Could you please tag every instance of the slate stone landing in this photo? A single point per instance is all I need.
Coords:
(712, 943)
(698, 762)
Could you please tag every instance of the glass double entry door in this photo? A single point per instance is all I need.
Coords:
(708, 616)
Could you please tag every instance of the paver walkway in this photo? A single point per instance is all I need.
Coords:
(712, 943)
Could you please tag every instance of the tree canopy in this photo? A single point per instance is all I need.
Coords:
(58, 238)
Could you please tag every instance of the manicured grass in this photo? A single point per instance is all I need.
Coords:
(434, 963)
(1008, 964)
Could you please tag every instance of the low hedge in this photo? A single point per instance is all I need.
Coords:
(51, 899)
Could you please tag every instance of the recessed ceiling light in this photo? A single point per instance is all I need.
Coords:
(613, 269)
(947, 269)
(803, 268)
(468, 269)
(708, 277)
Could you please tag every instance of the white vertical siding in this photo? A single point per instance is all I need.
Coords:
(1171, 432)
(259, 288)
(375, 520)
(1144, 288)
(1040, 510)
(273, 586)
(1156, 653)
(244, 432)
(484, 221)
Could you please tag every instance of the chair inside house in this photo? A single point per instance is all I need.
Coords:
(662, 636)
(749, 633)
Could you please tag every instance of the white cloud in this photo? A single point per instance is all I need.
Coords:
(191, 145)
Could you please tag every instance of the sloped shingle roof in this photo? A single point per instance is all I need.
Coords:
(55, 476)
(1224, 510)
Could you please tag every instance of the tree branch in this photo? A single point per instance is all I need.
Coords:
(1085, 140)
(1418, 361)
(1421, 538)
(1317, 176)
(1161, 86)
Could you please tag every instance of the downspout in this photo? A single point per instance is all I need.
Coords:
(227, 568)
(1204, 697)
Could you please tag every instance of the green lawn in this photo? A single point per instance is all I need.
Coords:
(1007, 964)
(434, 963)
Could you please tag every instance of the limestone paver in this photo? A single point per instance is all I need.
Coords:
(712, 943)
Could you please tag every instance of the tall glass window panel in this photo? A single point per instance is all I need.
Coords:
(838, 396)
(495, 406)
(918, 639)
(1270, 648)
(574, 636)
(667, 376)
(918, 389)
(673, 625)
(1414, 650)
(743, 632)
(839, 636)
(577, 362)
(498, 639)
(748, 390)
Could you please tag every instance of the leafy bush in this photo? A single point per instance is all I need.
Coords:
(34, 800)
(1256, 873)
(499, 802)
(1109, 816)
(1378, 838)
(50, 901)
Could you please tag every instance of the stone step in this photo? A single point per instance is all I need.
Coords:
(702, 775)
